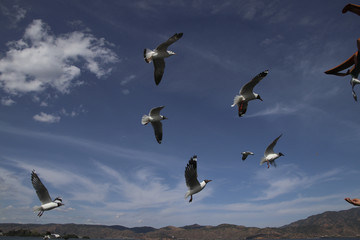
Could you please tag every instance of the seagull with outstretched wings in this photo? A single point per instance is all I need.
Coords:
(192, 182)
(43, 195)
(158, 54)
(246, 93)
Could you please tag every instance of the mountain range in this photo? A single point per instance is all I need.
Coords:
(344, 223)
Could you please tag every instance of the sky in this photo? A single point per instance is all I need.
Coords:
(74, 86)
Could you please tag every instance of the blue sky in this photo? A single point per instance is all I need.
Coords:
(74, 86)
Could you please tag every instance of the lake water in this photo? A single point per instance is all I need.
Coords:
(40, 238)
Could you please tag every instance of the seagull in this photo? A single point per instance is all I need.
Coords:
(245, 154)
(155, 118)
(353, 82)
(158, 54)
(246, 93)
(191, 179)
(44, 197)
(270, 155)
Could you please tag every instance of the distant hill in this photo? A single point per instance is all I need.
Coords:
(328, 224)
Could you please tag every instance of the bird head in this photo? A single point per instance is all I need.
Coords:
(206, 181)
(163, 117)
(281, 154)
(258, 97)
(58, 200)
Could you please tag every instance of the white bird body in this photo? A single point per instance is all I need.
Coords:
(191, 179)
(196, 189)
(46, 206)
(43, 195)
(155, 119)
(246, 93)
(150, 55)
(270, 156)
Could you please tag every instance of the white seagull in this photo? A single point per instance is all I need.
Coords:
(246, 93)
(353, 82)
(44, 197)
(191, 179)
(158, 54)
(155, 118)
(270, 155)
(245, 154)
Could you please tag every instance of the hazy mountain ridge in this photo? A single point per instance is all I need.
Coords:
(344, 223)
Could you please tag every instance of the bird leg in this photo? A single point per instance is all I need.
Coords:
(268, 163)
(40, 213)
(190, 199)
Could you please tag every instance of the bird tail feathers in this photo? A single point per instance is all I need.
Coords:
(187, 194)
(262, 161)
(148, 55)
(36, 208)
(145, 120)
(236, 100)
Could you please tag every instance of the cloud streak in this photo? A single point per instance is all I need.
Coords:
(278, 109)
(290, 180)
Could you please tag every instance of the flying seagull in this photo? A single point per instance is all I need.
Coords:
(246, 93)
(158, 54)
(155, 118)
(44, 197)
(270, 155)
(353, 82)
(191, 179)
(245, 154)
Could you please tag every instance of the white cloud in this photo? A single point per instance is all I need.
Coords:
(41, 60)
(6, 101)
(48, 118)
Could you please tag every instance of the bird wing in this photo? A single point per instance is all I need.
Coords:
(155, 111)
(157, 130)
(270, 148)
(159, 67)
(191, 173)
(163, 46)
(244, 156)
(248, 87)
(40, 189)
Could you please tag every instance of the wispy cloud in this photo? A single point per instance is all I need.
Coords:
(7, 101)
(113, 150)
(46, 118)
(289, 180)
(278, 109)
(41, 60)
(15, 14)
(12, 188)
